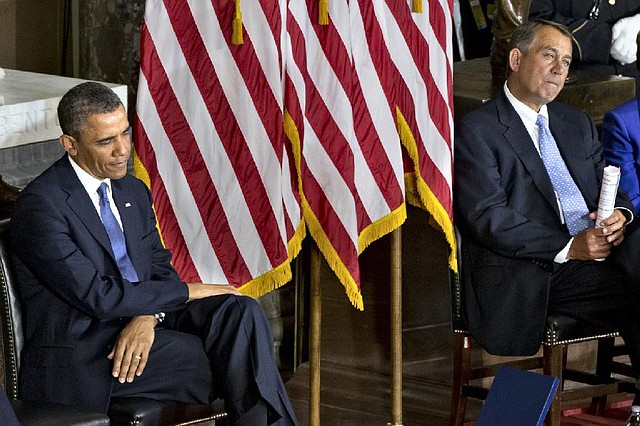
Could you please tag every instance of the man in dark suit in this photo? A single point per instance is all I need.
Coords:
(105, 312)
(528, 240)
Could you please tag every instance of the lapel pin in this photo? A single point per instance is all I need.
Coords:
(127, 204)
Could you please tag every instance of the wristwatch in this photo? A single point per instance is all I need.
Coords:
(159, 317)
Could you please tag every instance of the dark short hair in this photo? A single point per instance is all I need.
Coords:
(83, 101)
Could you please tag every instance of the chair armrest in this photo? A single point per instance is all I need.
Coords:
(147, 412)
(39, 413)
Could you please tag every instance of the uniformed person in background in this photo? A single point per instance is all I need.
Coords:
(604, 32)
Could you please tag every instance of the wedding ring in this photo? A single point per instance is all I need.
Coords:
(138, 357)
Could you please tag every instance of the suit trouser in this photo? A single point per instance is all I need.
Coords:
(7, 415)
(599, 292)
(220, 347)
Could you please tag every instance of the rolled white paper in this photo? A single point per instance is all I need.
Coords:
(608, 191)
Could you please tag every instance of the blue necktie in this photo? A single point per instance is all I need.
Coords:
(574, 208)
(116, 236)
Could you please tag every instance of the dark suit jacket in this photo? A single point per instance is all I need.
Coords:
(75, 302)
(591, 38)
(506, 211)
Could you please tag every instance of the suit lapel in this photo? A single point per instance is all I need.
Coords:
(81, 204)
(130, 216)
(130, 220)
(520, 140)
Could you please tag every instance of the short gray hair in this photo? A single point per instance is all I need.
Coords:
(524, 35)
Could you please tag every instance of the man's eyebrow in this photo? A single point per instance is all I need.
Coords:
(555, 50)
(106, 138)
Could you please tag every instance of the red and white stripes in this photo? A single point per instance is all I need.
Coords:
(209, 134)
(301, 124)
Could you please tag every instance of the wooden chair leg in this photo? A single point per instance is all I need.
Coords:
(554, 358)
(461, 371)
(604, 363)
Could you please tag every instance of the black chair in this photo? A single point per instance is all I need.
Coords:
(144, 411)
(122, 411)
(561, 331)
(29, 413)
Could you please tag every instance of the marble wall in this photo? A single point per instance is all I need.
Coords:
(7, 33)
(110, 41)
(19, 165)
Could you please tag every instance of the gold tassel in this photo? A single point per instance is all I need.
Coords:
(417, 6)
(323, 13)
(236, 25)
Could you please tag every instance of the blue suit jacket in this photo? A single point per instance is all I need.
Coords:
(507, 213)
(621, 143)
(75, 302)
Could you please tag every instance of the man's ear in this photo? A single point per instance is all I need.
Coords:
(69, 144)
(515, 56)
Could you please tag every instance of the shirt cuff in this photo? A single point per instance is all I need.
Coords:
(627, 213)
(561, 257)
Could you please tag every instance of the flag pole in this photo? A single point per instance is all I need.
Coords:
(314, 338)
(396, 327)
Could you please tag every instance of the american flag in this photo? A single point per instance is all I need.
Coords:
(248, 141)
(209, 136)
(422, 55)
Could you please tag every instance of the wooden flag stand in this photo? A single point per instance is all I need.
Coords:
(396, 328)
(396, 332)
(315, 317)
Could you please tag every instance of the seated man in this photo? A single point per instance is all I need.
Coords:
(527, 179)
(603, 32)
(105, 312)
(621, 145)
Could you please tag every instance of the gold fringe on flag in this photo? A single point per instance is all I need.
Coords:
(313, 225)
(280, 275)
(417, 6)
(382, 227)
(141, 173)
(426, 199)
(236, 26)
(323, 13)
